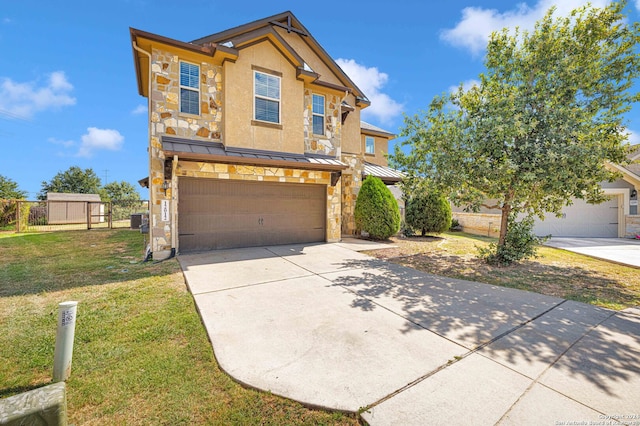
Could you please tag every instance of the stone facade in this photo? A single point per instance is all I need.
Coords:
(165, 97)
(351, 183)
(479, 223)
(166, 119)
(330, 144)
(271, 174)
(632, 226)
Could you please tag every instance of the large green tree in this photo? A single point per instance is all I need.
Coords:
(120, 191)
(9, 189)
(541, 124)
(74, 180)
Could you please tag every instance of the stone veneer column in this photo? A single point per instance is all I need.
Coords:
(351, 183)
(166, 119)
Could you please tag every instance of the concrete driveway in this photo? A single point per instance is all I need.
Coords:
(334, 328)
(619, 250)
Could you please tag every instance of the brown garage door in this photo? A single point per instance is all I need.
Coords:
(219, 214)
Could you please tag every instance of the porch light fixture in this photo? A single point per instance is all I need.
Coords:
(634, 193)
(166, 185)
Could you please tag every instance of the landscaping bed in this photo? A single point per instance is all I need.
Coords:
(555, 272)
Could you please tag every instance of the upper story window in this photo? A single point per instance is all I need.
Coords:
(369, 145)
(318, 114)
(267, 97)
(189, 88)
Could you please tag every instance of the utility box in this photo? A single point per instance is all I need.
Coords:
(136, 220)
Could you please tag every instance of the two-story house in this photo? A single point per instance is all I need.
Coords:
(255, 138)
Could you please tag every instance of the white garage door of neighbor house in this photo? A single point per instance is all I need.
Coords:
(220, 214)
(582, 220)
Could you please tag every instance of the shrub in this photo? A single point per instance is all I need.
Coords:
(428, 212)
(520, 243)
(376, 211)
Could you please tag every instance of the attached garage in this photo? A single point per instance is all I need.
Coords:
(221, 213)
(583, 220)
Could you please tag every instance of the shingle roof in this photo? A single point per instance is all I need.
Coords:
(367, 126)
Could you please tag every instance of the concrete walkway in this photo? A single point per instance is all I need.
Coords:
(331, 327)
(619, 250)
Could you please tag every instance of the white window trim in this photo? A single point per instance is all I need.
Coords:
(319, 115)
(366, 138)
(180, 87)
(255, 95)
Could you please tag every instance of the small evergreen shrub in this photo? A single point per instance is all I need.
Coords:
(520, 243)
(429, 213)
(376, 210)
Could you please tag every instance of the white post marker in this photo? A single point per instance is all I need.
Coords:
(64, 341)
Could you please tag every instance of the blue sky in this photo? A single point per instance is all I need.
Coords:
(68, 92)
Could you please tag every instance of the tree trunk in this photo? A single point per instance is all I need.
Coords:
(504, 223)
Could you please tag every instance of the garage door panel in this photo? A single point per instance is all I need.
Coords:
(219, 214)
(582, 219)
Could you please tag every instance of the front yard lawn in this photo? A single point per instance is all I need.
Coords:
(141, 353)
(555, 272)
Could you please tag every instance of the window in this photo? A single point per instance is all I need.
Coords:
(189, 88)
(267, 97)
(369, 145)
(318, 114)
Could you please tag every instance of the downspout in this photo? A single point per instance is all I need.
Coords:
(151, 197)
(174, 206)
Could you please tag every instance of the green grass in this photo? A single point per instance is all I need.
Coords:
(554, 272)
(141, 354)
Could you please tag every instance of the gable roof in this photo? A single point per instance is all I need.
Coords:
(374, 130)
(245, 34)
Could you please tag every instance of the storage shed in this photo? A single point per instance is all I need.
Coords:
(65, 208)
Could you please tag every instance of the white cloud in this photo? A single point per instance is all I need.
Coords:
(66, 144)
(371, 81)
(140, 109)
(637, 4)
(25, 99)
(466, 85)
(99, 139)
(473, 30)
(633, 138)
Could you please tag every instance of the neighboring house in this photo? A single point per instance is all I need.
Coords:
(617, 217)
(64, 208)
(255, 138)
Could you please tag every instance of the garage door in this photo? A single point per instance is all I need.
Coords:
(582, 220)
(219, 214)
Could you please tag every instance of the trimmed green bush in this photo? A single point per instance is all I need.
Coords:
(376, 211)
(429, 213)
(520, 244)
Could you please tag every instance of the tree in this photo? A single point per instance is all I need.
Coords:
(541, 125)
(74, 180)
(376, 210)
(121, 191)
(9, 189)
(428, 212)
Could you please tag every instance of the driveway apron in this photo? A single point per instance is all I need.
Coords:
(331, 327)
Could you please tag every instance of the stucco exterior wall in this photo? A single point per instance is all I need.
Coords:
(240, 129)
(303, 50)
(381, 149)
(351, 130)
